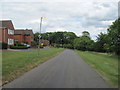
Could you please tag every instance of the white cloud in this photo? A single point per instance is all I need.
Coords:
(50, 1)
(62, 15)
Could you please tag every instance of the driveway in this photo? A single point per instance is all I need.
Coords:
(67, 70)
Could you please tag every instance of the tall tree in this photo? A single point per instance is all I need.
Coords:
(101, 41)
(86, 33)
(113, 41)
(84, 42)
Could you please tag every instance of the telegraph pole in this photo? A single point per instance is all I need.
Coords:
(39, 36)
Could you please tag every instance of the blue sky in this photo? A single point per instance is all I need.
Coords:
(62, 15)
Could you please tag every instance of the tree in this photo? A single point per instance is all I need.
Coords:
(57, 37)
(101, 41)
(83, 43)
(113, 41)
(86, 33)
(36, 38)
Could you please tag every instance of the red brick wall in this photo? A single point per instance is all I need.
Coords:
(28, 39)
(23, 39)
(4, 35)
(19, 37)
(1, 34)
(11, 26)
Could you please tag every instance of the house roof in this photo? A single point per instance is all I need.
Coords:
(23, 31)
(6, 24)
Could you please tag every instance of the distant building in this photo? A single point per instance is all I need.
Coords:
(7, 32)
(11, 36)
(24, 36)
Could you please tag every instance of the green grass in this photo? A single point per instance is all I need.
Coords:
(105, 65)
(15, 64)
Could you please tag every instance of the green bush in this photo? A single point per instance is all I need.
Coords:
(18, 47)
(3, 45)
(58, 45)
(26, 42)
(70, 46)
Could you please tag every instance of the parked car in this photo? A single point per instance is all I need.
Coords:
(26, 45)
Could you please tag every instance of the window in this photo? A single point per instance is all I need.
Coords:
(16, 41)
(10, 32)
(10, 41)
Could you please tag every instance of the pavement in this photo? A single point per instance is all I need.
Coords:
(67, 70)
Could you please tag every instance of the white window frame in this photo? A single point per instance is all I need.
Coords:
(11, 32)
(10, 41)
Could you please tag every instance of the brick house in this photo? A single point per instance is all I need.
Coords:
(11, 36)
(7, 32)
(24, 36)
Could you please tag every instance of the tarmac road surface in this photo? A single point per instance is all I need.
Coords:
(67, 70)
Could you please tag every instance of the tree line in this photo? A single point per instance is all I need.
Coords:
(106, 42)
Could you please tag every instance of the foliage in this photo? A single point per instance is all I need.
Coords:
(3, 45)
(36, 39)
(27, 42)
(100, 43)
(83, 43)
(109, 42)
(69, 46)
(86, 33)
(113, 39)
(56, 37)
(18, 47)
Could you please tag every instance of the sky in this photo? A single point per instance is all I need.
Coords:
(76, 16)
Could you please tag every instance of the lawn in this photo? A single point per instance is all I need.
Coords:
(105, 65)
(15, 64)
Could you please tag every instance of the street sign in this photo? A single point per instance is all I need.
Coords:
(42, 44)
(39, 36)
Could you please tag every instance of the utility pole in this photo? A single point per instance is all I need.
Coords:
(40, 34)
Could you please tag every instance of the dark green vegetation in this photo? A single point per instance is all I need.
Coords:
(59, 39)
(18, 47)
(105, 64)
(15, 64)
(109, 42)
(3, 45)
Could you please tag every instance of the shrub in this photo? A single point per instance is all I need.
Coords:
(26, 42)
(70, 46)
(18, 47)
(58, 45)
(3, 45)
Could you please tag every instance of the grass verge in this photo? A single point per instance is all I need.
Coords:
(104, 64)
(15, 64)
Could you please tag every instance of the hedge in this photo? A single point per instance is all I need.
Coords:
(3, 45)
(18, 47)
(70, 46)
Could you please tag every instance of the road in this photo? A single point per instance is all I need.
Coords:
(67, 70)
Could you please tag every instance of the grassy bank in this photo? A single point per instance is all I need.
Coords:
(16, 63)
(104, 64)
